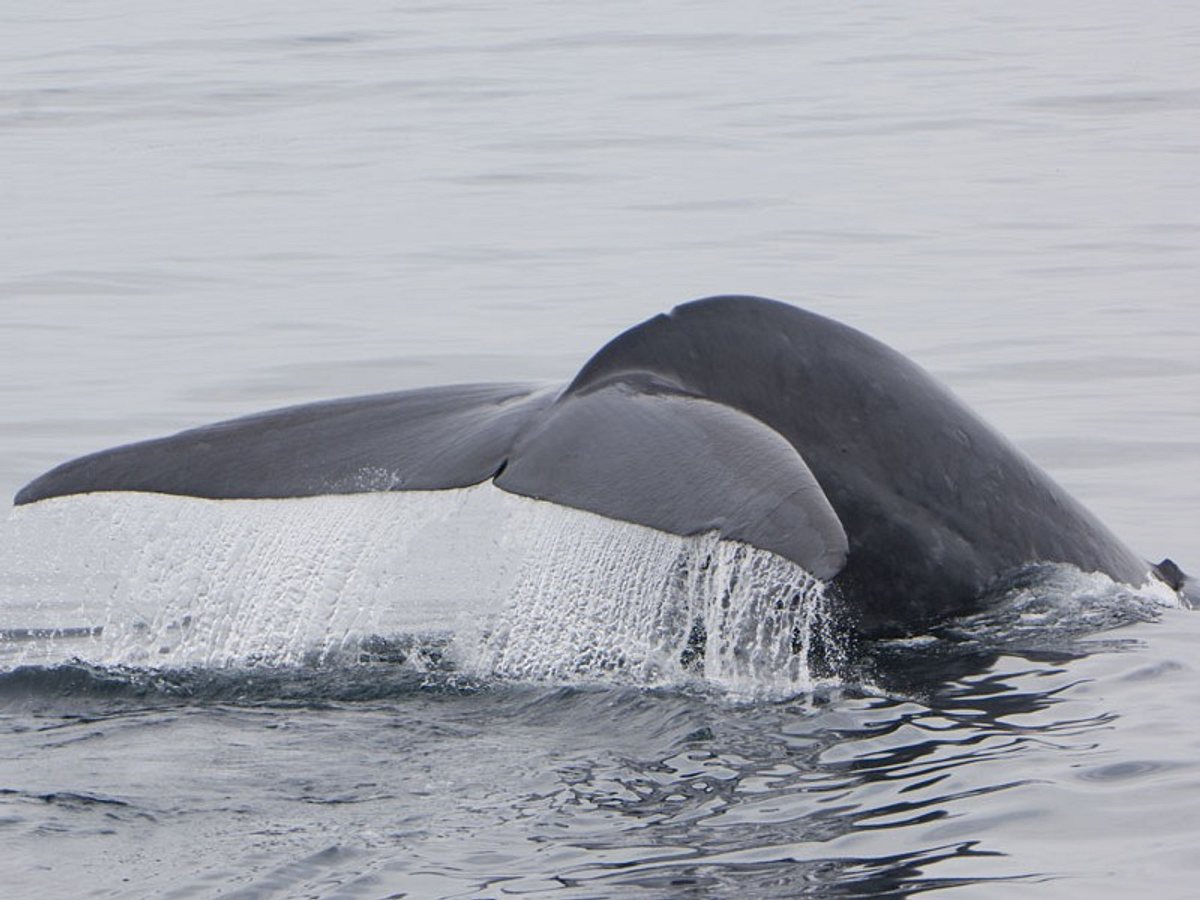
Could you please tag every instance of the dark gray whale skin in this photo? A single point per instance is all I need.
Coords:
(767, 423)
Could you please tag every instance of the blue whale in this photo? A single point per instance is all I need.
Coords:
(769, 424)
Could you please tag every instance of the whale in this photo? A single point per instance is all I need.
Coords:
(755, 419)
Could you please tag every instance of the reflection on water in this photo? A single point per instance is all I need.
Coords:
(463, 785)
(821, 796)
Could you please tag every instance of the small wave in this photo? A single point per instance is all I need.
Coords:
(93, 686)
(1043, 613)
(1050, 605)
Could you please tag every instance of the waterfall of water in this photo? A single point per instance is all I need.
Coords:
(507, 586)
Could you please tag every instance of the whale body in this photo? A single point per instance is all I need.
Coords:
(766, 423)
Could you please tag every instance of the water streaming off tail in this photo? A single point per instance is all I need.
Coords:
(594, 601)
(495, 584)
(180, 581)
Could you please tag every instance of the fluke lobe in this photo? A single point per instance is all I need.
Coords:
(764, 422)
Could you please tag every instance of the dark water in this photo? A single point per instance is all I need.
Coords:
(215, 210)
(957, 767)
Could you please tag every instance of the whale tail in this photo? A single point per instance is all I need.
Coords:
(761, 422)
(627, 446)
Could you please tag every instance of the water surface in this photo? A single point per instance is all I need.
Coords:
(212, 211)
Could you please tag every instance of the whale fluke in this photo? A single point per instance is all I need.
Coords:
(766, 423)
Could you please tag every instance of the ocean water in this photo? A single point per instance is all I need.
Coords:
(215, 209)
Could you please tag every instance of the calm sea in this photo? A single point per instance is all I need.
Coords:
(212, 209)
